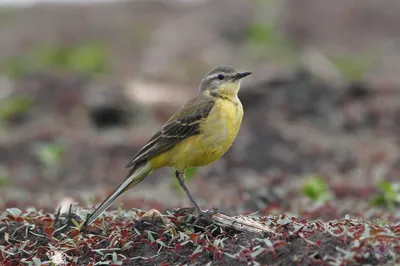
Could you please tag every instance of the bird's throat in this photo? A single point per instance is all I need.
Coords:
(229, 92)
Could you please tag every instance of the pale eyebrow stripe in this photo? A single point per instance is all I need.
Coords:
(213, 76)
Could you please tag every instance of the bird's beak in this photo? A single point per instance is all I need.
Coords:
(241, 75)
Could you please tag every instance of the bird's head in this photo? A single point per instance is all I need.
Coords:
(224, 80)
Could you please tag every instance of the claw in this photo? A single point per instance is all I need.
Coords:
(207, 213)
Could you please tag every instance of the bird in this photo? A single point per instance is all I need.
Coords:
(198, 134)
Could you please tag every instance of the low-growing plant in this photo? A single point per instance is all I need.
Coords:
(269, 42)
(50, 155)
(353, 66)
(317, 189)
(31, 237)
(389, 195)
(14, 106)
(88, 58)
(4, 177)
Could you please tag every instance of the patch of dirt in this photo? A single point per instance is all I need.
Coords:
(282, 139)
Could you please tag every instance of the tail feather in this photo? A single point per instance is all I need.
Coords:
(135, 176)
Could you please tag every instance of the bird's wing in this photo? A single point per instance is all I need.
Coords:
(185, 123)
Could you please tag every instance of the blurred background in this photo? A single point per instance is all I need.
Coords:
(83, 85)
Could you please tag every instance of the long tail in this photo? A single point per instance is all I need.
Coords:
(135, 176)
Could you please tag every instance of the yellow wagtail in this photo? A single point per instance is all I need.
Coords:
(199, 133)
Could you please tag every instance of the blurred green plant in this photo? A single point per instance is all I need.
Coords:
(50, 154)
(6, 12)
(389, 195)
(14, 67)
(355, 66)
(14, 106)
(269, 43)
(88, 58)
(189, 174)
(317, 189)
(4, 181)
(4, 177)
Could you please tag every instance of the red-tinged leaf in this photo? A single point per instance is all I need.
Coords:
(396, 229)
(47, 220)
(10, 217)
(114, 240)
(143, 240)
(165, 264)
(210, 248)
(124, 233)
(194, 237)
(74, 233)
(178, 247)
(218, 255)
(173, 219)
(377, 231)
(279, 244)
(41, 251)
(76, 238)
(192, 257)
(49, 231)
(319, 243)
(19, 219)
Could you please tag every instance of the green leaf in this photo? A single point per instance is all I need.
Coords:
(15, 67)
(258, 251)
(54, 56)
(270, 43)
(389, 196)
(36, 261)
(5, 178)
(387, 187)
(14, 106)
(353, 66)
(150, 235)
(128, 245)
(198, 249)
(190, 172)
(14, 211)
(89, 58)
(114, 257)
(317, 189)
(137, 232)
(263, 35)
(284, 221)
(378, 200)
(51, 154)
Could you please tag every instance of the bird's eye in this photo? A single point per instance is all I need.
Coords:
(221, 77)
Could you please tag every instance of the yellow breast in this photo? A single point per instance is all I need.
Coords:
(218, 132)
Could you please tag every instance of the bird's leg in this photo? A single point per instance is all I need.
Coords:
(181, 178)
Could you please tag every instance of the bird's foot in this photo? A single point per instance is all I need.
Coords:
(207, 213)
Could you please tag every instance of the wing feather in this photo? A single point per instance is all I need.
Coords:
(185, 123)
